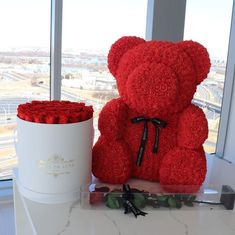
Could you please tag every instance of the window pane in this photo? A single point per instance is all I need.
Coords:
(89, 29)
(208, 22)
(24, 66)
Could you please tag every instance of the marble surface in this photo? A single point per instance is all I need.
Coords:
(71, 219)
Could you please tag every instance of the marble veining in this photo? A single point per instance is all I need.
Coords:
(71, 219)
(68, 221)
(186, 227)
(113, 222)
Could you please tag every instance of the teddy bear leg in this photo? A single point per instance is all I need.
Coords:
(183, 168)
(111, 161)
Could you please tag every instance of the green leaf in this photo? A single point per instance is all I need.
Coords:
(112, 202)
(163, 200)
(179, 197)
(139, 200)
(188, 203)
(171, 202)
(152, 203)
(178, 204)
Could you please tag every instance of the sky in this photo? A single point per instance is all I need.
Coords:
(96, 24)
(208, 22)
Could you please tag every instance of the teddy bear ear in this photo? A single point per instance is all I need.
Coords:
(119, 48)
(199, 56)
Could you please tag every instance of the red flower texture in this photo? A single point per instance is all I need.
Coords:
(156, 81)
(96, 197)
(54, 112)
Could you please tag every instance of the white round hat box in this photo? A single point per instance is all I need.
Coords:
(54, 159)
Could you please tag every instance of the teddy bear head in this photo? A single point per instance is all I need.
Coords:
(157, 77)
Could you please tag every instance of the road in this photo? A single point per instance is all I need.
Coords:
(215, 94)
(13, 76)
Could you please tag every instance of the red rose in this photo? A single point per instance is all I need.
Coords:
(39, 118)
(50, 119)
(53, 112)
(74, 117)
(63, 119)
(21, 114)
(96, 197)
(28, 118)
(84, 115)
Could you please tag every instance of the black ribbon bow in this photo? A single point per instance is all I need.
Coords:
(128, 204)
(157, 123)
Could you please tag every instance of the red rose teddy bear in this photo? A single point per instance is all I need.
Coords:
(153, 131)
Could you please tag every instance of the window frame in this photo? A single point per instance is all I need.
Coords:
(228, 90)
(155, 29)
(165, 20)
(56, 49)
(55, 58)
(6, 191)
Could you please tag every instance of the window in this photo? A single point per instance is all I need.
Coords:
(25, 56)
(24, 66)
(89, 29)
(208, 22)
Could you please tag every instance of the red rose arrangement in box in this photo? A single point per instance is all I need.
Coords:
(54, 112)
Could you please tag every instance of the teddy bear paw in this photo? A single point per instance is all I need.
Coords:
(111, 161)
(183, 170)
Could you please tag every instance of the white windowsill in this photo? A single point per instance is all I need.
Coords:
(6, 191)
(7, 225)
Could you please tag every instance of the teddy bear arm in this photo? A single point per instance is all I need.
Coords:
(193, 128)
(112, 119)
